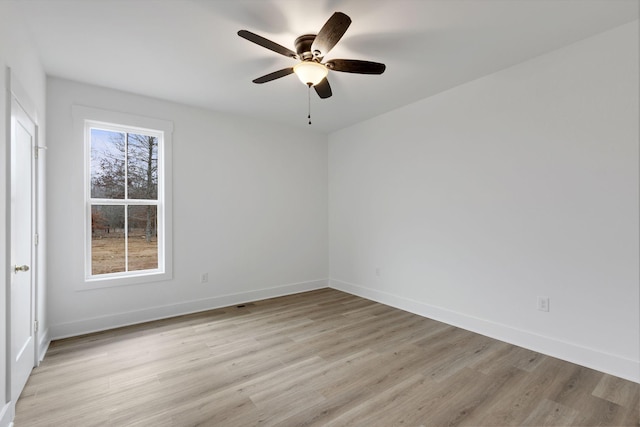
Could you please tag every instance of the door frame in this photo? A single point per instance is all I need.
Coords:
(16, 92)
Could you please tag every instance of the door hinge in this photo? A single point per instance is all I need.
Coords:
(36, 239)
(35, 326)
(37, 150)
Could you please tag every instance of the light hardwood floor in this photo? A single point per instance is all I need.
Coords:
(322, 358)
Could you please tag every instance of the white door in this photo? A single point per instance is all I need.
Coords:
(23, 132)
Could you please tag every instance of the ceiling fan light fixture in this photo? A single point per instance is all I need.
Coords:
(310, 72)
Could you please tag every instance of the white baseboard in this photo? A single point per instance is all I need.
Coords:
(6, 415)
(574, 353)
(96, 324)
(43, 344)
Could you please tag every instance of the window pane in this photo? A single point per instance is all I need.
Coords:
(107, 239)
(107, 164)
(143, 238)
(142, 169)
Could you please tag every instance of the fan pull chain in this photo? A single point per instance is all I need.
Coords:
(309, 110)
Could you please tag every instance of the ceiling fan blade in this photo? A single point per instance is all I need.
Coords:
(274, 75)
(356, 66)
(259, 40)
(323, 89)
(330, 33)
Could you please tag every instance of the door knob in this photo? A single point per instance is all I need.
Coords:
(21, 268)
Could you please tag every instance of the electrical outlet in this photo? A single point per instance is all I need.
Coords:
(204, 277)
(543, 303)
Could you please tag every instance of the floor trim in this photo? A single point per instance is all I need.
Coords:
(6, 415)
(570, 352)
(101, 323)
(43, 345)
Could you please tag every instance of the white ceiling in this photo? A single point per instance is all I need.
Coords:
(188, 50)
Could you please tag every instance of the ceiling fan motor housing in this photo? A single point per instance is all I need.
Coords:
(303, 47)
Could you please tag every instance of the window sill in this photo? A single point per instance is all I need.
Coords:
(116, 281)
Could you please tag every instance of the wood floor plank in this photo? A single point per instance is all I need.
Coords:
(549, 413)
(319, 358)
(617, 390)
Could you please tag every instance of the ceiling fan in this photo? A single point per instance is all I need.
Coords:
(310, 52)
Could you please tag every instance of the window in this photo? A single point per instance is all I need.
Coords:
(127, 227)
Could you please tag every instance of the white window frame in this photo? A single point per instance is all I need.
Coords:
(85, 119)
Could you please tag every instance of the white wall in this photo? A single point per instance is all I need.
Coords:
(524, 183)
(18, 53)
(249, 208)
